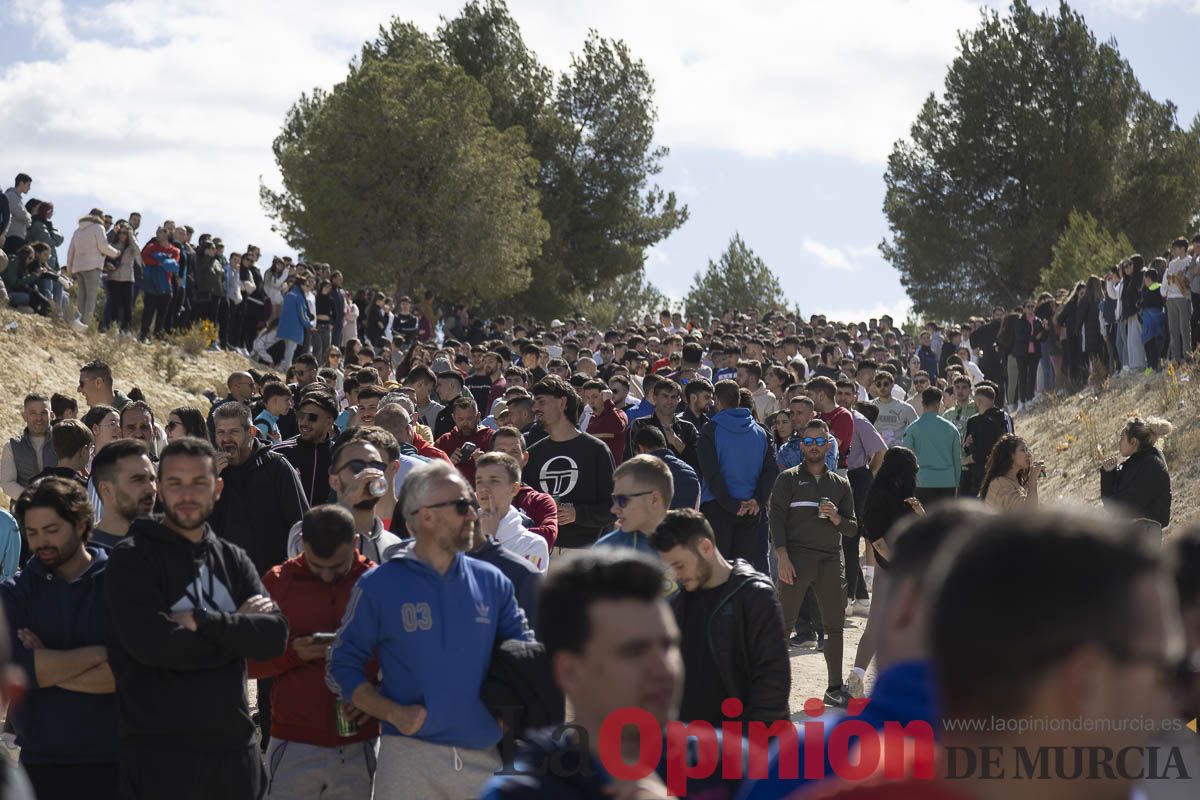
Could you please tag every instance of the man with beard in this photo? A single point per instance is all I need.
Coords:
(125, 480)
(185, 609)
(574, 468)
(67, 724)
(613, 644)
(438, 736)
(466, 431)
(728, 614)
(26, 455)
(811, 509)
(137, 422)
(361, 456)
(308, 452)
(262, 498)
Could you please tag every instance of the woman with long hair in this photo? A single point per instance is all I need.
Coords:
(890, 499)
(1005, 341)
(1140, 483)
(1069, 323)
(1094, 346)
(1010, 479)
(186, 421)
(781, 428)
(120, 272)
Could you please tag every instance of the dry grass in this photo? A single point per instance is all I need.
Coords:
(39, 355)
(1066, 432)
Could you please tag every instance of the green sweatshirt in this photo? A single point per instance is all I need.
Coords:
(939, 451)
(792, 511)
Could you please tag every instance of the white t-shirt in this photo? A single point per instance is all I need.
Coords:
(894, 418)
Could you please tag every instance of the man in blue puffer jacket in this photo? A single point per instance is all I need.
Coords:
(738, 470)
(433, 617)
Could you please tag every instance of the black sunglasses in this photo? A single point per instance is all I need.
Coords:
(307, 416)
(172, 424)
(462, 505)
(357, 465)
(622, 500)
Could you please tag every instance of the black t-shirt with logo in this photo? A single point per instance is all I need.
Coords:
(578, 471)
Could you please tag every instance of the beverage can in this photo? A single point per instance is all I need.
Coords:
(345, 726)
(823, 501)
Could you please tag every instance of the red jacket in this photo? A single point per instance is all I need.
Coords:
(541, 509)
(841, 425)
(424, 448)
(301, 705)
(609, 426)
(451, 441)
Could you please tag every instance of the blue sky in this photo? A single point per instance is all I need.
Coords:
(779, 115)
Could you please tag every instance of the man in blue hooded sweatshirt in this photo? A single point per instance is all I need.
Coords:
(738, 469)
(67, 725)
(432, 617)
(904, 691)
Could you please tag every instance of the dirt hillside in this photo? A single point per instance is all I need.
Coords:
(39, 355)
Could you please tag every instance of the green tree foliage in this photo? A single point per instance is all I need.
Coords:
(591, 131)
(740, 280)
(624, 300)
(398, 176)
(1037, 119)
(1084, 249)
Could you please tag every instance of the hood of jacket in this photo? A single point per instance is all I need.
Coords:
(735, 421)
(38, 570)
(90, 219)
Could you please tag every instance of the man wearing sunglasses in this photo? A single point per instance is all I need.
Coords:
(359, 457)
(811, 510)
(432, 617)
(309, 451)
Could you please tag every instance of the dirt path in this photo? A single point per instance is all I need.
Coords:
(809, 676)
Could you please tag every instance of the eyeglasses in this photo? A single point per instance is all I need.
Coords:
(173, 424)
(622, 500)
(307, 416)
(357, 465)
(462, 505)
(819, 441)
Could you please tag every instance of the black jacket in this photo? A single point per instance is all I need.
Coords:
(984, 431)
(553, 764)
(685, 430)
(743, 638)
(1141, 485)
(311, 462)
(520, 688)
(260, 503)
(1023, 331)
(984, 339)
(179, 689)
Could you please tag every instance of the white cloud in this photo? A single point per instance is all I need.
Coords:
(829, 257)
(170, 106)
(1136, 9)
(898, 311)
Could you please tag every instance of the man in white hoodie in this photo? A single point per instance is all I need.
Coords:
(497, 480)
(85, 260)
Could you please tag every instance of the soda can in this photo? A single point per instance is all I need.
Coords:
(345, 726)
(821, 502)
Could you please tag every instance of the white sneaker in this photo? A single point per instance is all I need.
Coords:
(79, 325)
(861, 608)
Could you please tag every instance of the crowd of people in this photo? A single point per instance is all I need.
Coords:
(424, 536)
